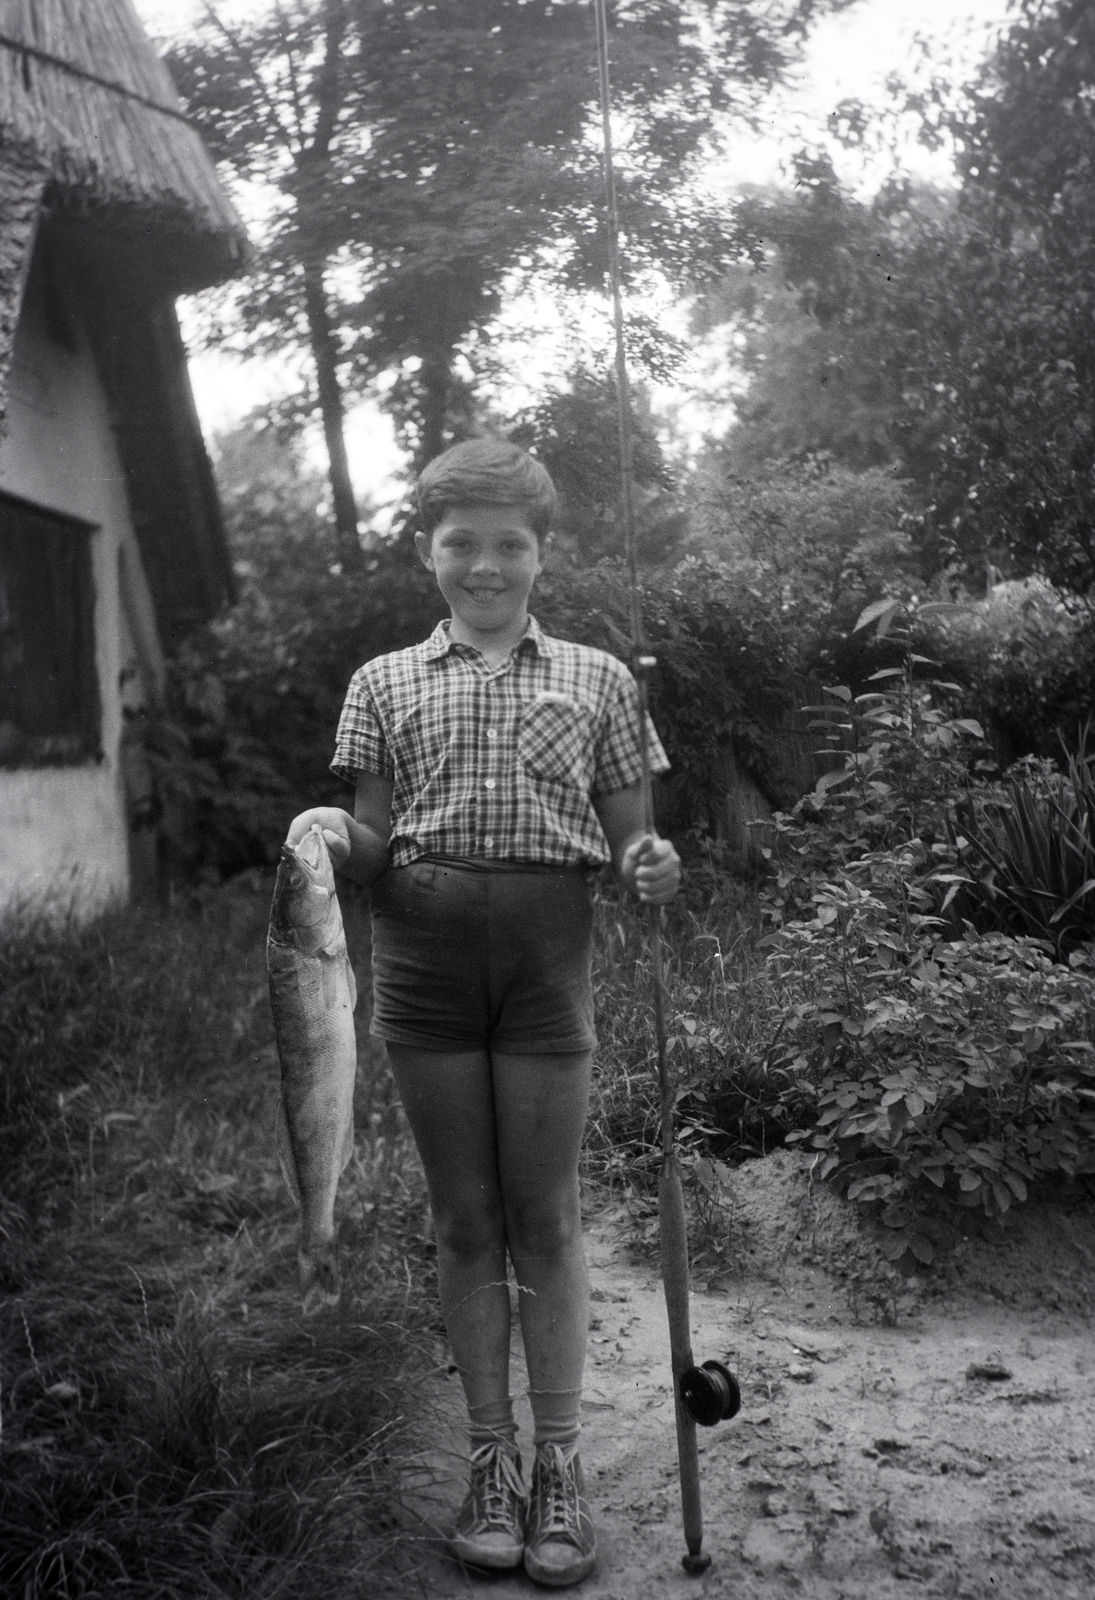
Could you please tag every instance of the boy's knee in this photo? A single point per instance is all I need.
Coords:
(471, 1233)
(543, 1226)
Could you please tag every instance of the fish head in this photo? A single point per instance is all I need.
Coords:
(305, 886)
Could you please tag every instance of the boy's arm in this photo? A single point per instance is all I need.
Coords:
(645, 864)
(358, 844)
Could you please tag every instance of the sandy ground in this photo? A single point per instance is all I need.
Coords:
(873, 1455)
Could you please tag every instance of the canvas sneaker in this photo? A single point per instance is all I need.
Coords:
(559, 1541)
(490, 1530)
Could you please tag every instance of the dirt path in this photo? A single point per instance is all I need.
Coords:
(868, 1460)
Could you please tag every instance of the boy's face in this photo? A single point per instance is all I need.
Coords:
(485, 560)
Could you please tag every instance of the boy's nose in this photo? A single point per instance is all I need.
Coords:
(485, 561)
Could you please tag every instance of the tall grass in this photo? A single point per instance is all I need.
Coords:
(735, 1089)
(171, 1427)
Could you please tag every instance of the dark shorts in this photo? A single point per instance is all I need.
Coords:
(468, 956)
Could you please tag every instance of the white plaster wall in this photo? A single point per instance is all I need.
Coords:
(63, 832)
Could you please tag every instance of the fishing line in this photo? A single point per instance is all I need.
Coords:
(709, 1393)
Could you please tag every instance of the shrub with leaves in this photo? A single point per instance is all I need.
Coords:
(931, 1073)
(1026, 655)
(1030, 849)
(727, 668)
(902, 763)
(214, 800)
(943, 1073)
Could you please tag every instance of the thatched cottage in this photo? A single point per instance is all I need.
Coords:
(111, 542)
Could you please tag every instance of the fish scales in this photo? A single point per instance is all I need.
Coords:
(312, 998)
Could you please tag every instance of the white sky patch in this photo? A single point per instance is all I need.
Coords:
(850, 56)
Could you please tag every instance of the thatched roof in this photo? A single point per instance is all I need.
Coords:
(81, 86)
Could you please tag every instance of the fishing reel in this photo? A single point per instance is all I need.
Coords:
(710, 1393)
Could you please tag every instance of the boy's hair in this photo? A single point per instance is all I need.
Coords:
(486, 472)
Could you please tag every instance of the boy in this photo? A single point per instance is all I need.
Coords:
(494, 767)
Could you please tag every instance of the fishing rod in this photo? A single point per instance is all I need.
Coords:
(709, 1393)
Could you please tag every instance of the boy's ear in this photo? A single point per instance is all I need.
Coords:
(423, 543)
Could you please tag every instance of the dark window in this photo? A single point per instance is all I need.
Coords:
(49, 689)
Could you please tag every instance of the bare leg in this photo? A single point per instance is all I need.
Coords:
(540, 1105)
(449, 1101)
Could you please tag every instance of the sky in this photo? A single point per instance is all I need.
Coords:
(847, 56)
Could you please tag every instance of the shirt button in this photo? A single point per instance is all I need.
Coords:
(492, 733)
(488, 844)
(489, 784)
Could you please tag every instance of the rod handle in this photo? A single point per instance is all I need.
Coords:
(673, 1239)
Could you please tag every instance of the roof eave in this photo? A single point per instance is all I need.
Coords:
(156, 242)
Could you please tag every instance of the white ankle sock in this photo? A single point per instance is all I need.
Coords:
(556, 1416)
(492, 1423)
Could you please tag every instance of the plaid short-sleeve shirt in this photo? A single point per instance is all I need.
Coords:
(498, 762)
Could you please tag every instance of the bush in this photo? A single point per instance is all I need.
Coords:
(302, 626)
(813, 538)
(214, 802)
(1026, 656)
(727, 677)
(934, 1068)
(903, 764)
(1030, 848)
(944, 1073)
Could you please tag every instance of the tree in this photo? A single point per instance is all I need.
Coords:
(576, 434)
(961, 323)
(1020, 474)
(816, 540)
(419, 160)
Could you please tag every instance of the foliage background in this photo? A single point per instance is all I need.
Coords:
(869, 599)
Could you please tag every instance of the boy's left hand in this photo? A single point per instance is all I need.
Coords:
(652, 868)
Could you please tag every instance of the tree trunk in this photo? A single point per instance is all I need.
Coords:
(435, 377)
(313, 165)
(331, 408)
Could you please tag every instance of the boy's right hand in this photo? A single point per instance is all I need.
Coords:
(335, 826)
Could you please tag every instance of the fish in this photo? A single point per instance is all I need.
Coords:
(312, 998)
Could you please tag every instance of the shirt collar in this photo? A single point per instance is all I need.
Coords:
(440, 641)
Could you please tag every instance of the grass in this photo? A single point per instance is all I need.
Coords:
(728, 1097)
(170, 1425)
(735, 1094)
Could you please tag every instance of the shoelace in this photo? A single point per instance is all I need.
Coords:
(499, 1486)
(557, 1495)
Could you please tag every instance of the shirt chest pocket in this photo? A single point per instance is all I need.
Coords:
(554, 741)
